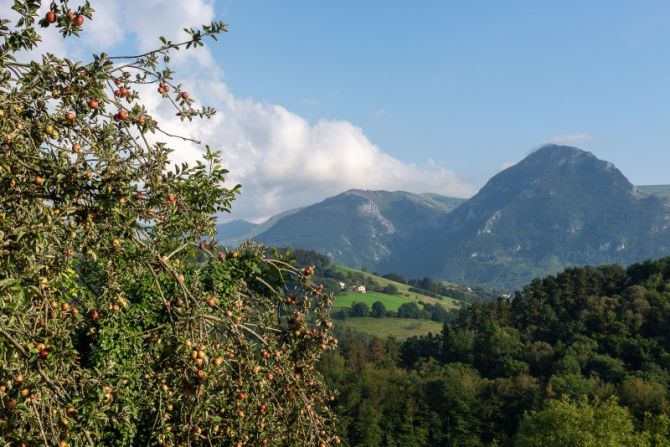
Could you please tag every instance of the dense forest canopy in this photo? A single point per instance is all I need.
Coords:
(577, 358)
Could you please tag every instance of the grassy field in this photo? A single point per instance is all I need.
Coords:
(396, 327)
(403, 291)
(391, 302)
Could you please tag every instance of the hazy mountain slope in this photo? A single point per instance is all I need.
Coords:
(253, 231)
(449, 202)
(234, 229)
(559, 206)
(356, 228)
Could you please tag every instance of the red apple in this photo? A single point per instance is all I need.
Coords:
(171, 198)
(79, 20)
(51, 17)
(76, 148)
(92, 103)
(70, 116)
(123, 115)
(185, 96)
(44, 354)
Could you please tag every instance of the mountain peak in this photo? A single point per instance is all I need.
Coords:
(555, 154)
(558, 150)
(558, 167)
(558, 206)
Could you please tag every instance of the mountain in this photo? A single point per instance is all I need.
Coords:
(449, 202)
(234, 238)
(234, 229)
(359, 227)
(558, 207)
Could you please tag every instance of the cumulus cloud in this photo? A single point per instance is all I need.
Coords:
(281, 159)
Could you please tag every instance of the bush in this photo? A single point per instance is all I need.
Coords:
(378, 310)
(409, 310)
(390, 289)
(359, 310)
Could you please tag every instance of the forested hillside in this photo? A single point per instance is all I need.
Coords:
(578, 358)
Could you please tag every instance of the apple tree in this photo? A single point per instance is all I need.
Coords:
(121, 321)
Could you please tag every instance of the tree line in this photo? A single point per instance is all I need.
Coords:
(411, 310)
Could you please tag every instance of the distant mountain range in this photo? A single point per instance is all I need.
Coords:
(356, 228)
(558, 207)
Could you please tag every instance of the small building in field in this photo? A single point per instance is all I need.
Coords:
(359, 289)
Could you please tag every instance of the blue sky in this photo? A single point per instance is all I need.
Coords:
(318, 97)
(472, 85)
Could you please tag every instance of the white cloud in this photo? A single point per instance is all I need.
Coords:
(571, 139)
(281, 159)
(283, 162)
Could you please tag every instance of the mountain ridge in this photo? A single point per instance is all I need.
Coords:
(558, 207)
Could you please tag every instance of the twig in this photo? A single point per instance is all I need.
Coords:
(176, 251)
(178, 136)
(39, 422)
(23, 352)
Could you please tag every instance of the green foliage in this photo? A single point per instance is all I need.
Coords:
(360, 309)
(378, 310)
(566, 424)
(391, 302)
(583, 358)
(390, 289)
(121, 324)
(409, 310)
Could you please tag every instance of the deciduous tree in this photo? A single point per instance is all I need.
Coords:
(121, 321)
